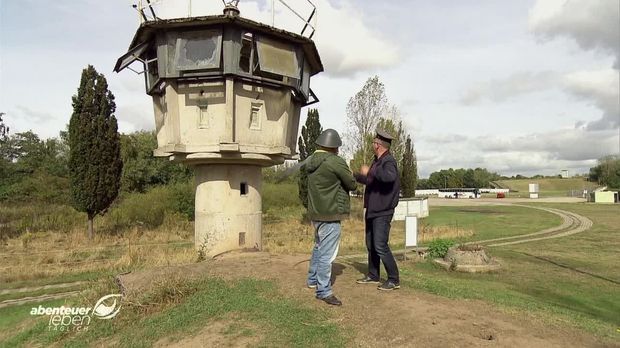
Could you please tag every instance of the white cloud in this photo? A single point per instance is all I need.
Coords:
(347, 45)
(600, 87)
(502, 89)
(536, 153)
(593, 24)
(35, 116)
(134, 117)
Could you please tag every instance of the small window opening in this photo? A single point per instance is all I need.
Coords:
(241, 238)
(243, 188)
(255, 116)
(245, 58)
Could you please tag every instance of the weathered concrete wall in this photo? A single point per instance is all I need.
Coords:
(228, 216)
(411, 207)
(199, 117)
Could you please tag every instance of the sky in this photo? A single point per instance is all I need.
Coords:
(518, 87)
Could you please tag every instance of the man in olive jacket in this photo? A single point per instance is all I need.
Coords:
(329, 183)
(380, 198)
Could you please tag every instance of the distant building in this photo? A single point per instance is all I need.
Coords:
(606, 197)
(534, 190)
(564, 173)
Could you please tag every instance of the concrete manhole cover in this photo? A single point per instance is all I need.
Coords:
(468, 258)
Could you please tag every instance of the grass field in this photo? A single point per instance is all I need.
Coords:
(572, 281)
(246, 308)
(487, 222)
(553, 187)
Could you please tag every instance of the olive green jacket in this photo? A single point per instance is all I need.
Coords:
(329, 183)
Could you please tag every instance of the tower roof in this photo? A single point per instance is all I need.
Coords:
(148, 29)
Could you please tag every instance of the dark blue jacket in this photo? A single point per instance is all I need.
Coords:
(382, 186)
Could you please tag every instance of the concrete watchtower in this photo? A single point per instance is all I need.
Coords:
(227, 94)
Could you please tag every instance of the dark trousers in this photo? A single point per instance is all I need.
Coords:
(377, 238)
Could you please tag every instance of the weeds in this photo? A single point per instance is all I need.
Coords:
(438, 248)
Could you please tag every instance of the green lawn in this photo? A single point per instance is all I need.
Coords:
(489, 222)
(252, 307)
(572, 280)
(548, 187)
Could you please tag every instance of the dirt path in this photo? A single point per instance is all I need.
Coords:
(43, 287)
(571, 224)
(402, 318)
(41, 298)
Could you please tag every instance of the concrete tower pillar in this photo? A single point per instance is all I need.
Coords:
(228, 207)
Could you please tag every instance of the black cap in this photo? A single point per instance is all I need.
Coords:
(385, 136)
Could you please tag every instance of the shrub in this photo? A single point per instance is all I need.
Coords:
(183, 198)
(20, 218)
(149, 209)
(438, 248)
(138, 209)
(279, 196)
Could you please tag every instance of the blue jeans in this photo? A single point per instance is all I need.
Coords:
(377, 243)
(326, 242)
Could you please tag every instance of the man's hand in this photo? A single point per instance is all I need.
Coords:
(364, 170)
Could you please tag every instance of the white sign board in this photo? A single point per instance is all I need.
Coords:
(411, 207)
(411, 231)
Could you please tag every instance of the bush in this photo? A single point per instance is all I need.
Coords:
(438, 248)
(280, 196)
(174, 202)
(149, 209)
(183, 199)
(37, 187)
(18, 219)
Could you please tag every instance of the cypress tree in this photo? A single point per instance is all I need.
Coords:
(95, 163)
(409, 170)
(306, 144)
(4, 130)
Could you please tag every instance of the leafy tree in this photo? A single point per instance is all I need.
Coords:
(4, 130)
(142, 170)
(607, 171)
(32, 169)
(95, 164)
(306, 144)
(30, 153)
(408, 170)
(471, 178)
(423, 184)
(358, 157)
(363, 113)
(5, 165)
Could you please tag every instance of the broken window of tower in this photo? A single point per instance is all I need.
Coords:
(277, 58)
(245, 57)
(198, 50)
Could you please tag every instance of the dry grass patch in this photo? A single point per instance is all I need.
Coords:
(50, 254)
(427, 233)
(293, 236)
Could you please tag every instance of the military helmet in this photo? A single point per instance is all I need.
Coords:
(329, 138)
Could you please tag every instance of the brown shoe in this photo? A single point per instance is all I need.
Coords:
(332, 300)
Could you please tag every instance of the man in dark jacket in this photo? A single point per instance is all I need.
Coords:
(329, 183)
(380, 198)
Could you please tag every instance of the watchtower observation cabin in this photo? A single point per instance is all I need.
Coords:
(227, 94)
